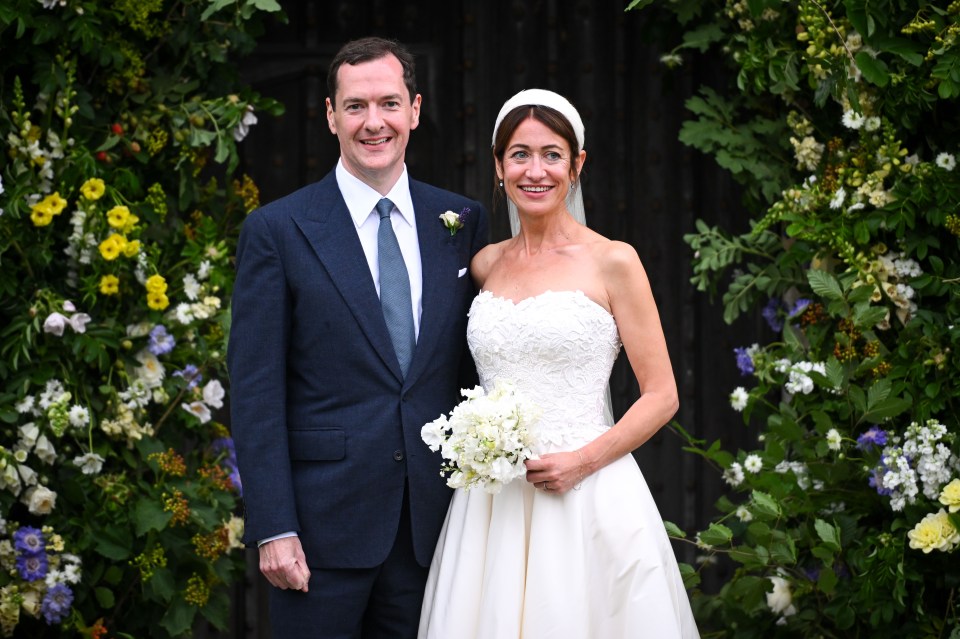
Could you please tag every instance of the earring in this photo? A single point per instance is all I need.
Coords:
(501, 184)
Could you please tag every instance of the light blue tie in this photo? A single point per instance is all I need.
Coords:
(395, 288)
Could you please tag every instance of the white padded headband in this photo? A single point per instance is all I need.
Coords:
(542, 97)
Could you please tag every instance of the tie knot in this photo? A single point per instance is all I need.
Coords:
(384, 207)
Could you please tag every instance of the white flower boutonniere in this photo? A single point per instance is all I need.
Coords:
(454, 221)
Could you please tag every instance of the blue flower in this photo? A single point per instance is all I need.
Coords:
(872, 437)
(798, 307)
(464, 213)
(32, 567)
(230, 460)
(190, 373)
(161, 342)
(29, 541)
(876, 481)
(56, 603)
(744, 360)
(771, 313)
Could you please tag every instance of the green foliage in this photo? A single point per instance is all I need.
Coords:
(119, 212)
(843, 521)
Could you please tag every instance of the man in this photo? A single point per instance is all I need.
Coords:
(342, 347)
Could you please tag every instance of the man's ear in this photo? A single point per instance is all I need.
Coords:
(415, 112)
(331, 122)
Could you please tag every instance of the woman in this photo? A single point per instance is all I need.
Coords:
(578, 550)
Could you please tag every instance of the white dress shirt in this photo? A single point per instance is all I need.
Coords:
(361, 201)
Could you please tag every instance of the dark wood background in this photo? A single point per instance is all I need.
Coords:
(641, 185)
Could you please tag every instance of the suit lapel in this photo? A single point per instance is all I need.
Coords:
(438, 260)
(328, 228)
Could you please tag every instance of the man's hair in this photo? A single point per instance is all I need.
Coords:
(365, 50)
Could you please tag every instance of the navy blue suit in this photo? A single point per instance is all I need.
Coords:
(327, 429)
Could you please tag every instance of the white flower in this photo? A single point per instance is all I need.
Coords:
(872, 123)
(29, 433)
(184, 313)
(780, 600)
(55, 323)
(151, 372)
(743, 514)
(738, 398)
(234, 532)
(140, 329)
(753, 463)
(852, 120)
(671, 60)
(89, 463)
(40, 500)
(833, 439)
(946, 161)
(734, 474)
(837, 200)
(486, 438)
(69, 306)
(79, 416)
(25, 405)
(204, 271)
(199, 410)
(249, 119)
(213, 394)
(44, 450)
(191, 288)
(78, 322)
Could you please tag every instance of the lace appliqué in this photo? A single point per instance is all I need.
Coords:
(558, 348)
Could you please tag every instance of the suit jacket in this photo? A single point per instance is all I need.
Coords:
(327, 430)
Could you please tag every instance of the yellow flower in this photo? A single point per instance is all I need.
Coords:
(934, 532)
(117, 216)
(109, 285)
(156, 284)
(132, 248)
(130, 224)
(40, 215)
(950, 495)
(157, 301)
(93, 189)
(111, 247)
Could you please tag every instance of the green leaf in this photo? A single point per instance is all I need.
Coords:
(824, 284)
(873, 69)
(638, 4)
(149, 515)
(114, 543)
(104, 597)
(885, 409)
(215, 5)
(764, 504)
(674, 530)
(716, 535)
(878, 392)
(179, 617)
(690, 576)
(828, 533)
(267, 5)
(827, 581)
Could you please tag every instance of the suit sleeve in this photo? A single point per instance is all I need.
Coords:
(256, 357)
(468, 377)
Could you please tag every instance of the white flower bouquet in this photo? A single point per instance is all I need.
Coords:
(486, 439)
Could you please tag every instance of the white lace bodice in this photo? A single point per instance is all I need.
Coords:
(558, 348)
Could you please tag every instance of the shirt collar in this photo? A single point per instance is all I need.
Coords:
(361, 198)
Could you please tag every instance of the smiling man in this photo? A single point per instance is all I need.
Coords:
(348, 335)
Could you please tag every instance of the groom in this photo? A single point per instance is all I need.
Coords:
(348, 335)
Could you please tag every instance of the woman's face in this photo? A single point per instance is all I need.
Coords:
(536, 168)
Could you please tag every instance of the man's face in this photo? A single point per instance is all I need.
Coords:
(373, 119)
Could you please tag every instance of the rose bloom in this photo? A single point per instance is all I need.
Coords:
(157, 301)
(780, 600)
(131, 248)
(950, 495)
(934, 532)
(156, 284)
(93, 189)
(109, 285)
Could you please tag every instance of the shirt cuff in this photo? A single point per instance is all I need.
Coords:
(275, 537)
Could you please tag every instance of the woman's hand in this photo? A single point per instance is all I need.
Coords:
(557, 472)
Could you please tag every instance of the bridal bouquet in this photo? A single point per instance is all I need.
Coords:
(486, 439)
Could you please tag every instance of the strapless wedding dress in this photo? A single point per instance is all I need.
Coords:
(594, 563)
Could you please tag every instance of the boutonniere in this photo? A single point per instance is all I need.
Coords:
(453, 222)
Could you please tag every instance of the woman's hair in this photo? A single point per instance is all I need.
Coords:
(551, 118)
(365, 50)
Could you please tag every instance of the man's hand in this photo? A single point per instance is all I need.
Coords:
(283, 564)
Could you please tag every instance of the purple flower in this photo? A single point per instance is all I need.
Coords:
(56, 603)
(463, 214)
(190, 373)
(798, 307)
(744, 360)
(771, 313)
(29, 541)
(872, 437)
(876, 481)
(229, 461)
(161, 342)
(32, 567)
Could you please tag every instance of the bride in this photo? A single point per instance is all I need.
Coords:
(578, 550)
